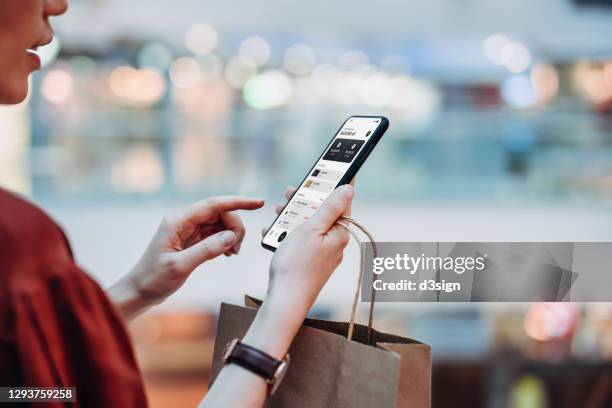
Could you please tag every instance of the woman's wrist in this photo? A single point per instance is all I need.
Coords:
(127, 298)
(275, 326)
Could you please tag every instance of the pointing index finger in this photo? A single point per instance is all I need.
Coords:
(205, 209)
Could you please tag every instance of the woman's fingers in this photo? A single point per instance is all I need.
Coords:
(278, 208)
(338, 236)
(289, 192)
(204, 210)
(233, 222)
(205, 250)
(332, 208)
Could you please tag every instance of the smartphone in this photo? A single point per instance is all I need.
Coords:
(337, 165)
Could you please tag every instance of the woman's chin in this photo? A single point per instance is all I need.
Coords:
(14, 92)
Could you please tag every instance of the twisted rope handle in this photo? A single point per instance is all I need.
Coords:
(345, 222)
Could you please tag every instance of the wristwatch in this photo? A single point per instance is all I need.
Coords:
(256, 361)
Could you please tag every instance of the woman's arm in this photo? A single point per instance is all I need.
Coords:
(300, 267)
(183, 241)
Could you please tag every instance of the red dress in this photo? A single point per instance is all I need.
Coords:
(57, 327)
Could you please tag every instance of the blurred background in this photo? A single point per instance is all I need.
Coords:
(501, 130)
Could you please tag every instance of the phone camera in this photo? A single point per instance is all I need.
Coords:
(369, 133)
(282, 236)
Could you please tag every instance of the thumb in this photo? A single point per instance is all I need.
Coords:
(207, 249)
(332, 208)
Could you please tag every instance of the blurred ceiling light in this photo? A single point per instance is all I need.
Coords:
(154, 56)
(352, 59)
(139, 171)
(136, 87)
(519, 92)
(545, 80)
(299, 59)
(516, 57)
(493, 46)
(57, 86)
(185, 72)
(211, 67)
(48, 53)
(201, 39)
(376, 90)
(396, 64)
(238, 72)
(255, 49)
(270, 89)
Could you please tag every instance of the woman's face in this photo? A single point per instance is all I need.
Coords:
(24, 26)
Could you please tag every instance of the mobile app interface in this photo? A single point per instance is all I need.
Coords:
(323, 178)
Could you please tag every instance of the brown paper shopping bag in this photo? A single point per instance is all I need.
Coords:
(339, 364)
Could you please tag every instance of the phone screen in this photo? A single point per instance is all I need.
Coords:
(352, 138)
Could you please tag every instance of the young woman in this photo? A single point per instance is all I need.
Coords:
(59, 328)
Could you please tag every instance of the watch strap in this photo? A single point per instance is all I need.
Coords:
(254, 360)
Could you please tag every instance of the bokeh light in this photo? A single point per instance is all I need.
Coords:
(493, 46)
(299, 59)
(376, 90)
(201, 39)
(593, 80)
(545, 80)
(185, 72)
(352, 59)
(238, 71)
(255, 49)
(211, 67)
(137, 87)
(268, 90)
(154, 56)
(519, 92)
(548, 321)
(516, 57)
(57, 86)
(323, 78)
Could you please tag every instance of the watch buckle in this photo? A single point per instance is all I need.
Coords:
(279, 374)
(229, 349)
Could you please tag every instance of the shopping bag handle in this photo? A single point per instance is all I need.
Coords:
(345, 222)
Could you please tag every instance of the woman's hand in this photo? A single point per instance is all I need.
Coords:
(301, 266)
(304, 262)
(183, 241)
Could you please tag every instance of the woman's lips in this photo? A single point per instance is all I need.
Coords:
(34, 59)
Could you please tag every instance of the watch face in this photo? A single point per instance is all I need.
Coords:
(279, 374)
